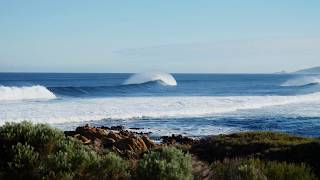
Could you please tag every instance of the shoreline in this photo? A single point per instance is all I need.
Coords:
(39, 151)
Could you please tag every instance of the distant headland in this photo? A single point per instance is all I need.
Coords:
(313, 70)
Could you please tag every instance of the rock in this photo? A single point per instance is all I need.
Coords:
(150, 144)
(117, 128)
(97, 145)
(113, 135)
(135, 128)
(124, 142)
(91, 132)
(101, 132)
(177, 139)
(131, 144)
(70, 133)
(82, 138)
(108, 142)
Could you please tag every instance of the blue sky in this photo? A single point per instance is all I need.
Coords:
(256, 36)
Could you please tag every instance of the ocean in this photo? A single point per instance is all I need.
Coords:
(194, 105)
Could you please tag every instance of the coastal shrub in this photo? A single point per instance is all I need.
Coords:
(239, 169)
(268, 146)
(166, 164)
(38, 151)
(245, 144)
(70, 157)
(24, 160)
(287, 171)
(236, 169)
(109, 167)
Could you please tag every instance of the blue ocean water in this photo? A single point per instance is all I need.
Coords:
(189, 104)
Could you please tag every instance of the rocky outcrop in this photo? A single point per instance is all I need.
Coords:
(177, 139)
(115, 138)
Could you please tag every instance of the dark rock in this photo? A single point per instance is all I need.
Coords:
(108, 142)
(70, 133)
(117, 128)
(177, 139)
(135, 128)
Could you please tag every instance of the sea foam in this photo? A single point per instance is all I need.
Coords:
(25, 93)
(140, 78)
(79, 110)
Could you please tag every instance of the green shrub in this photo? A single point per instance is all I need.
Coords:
(268, 146)
(69, 157)
(40, 136)
(245, 144)
(286, 171)
(238, 169)
(40, 152)
(169, 163)
(109, 167)
(24, 160)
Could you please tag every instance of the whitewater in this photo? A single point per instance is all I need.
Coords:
(25, 93)
(140, 107)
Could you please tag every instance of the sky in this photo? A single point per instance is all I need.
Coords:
(203, 36)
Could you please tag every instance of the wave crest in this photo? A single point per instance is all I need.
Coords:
(140, 78)
(25, 93)
(302, 81)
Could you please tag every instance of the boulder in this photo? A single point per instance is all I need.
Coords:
(108, 142)
(113, 135)
(117, 128)
(173, 139)
(131, 144)
(148, 142)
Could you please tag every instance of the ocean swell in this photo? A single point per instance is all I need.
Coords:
(140, 78)
(25, 93)
(302, 81)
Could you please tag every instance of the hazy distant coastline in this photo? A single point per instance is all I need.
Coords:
(313, 70)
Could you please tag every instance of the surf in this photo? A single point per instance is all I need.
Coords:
(141, 78)
(9, 93)
(122, 108)
(302, 81)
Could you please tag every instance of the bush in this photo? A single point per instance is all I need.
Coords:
(245, 144)
(268, 146)
(109, 167)
(24, 160)
(168, 163)
(40, 152)
(238, 169)
(287, 171)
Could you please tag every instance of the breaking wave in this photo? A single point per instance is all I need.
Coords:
(302, 81)
(140, 78)
(25, 93)
(140, 107)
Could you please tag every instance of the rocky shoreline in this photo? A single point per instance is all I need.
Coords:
(123, 141)
(261, 145)
(38, 151)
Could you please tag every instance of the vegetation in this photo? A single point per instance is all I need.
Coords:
(261, 145)
(37, 151)
(41, 152)
(169, 163)
(238, 169)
